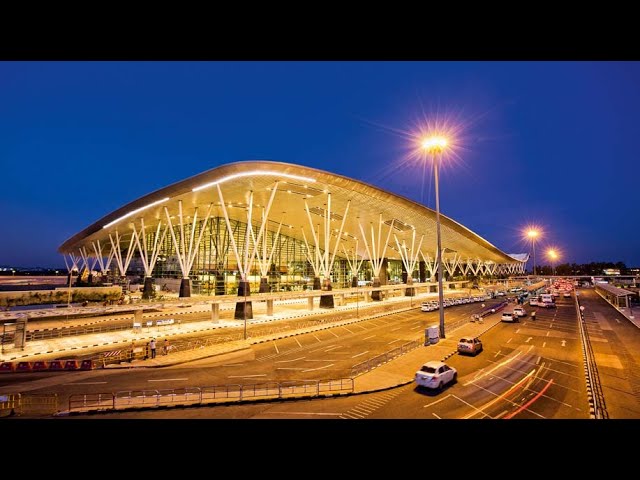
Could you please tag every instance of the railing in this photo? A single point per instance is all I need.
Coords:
(383, 358)
(595, 394)
(206, 395)
(31, 404)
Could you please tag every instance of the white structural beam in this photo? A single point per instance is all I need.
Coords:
(74, 262)
(123, 265)
(352, 259)
(187, 254)
(324, 258)
(262, 235)
(104, 266)
(409, 257)
(431, 265)
(376, 255)
(156, 239)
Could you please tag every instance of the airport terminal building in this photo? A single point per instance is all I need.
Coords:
(269, 226)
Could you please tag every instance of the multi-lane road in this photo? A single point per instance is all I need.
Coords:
(528, 370)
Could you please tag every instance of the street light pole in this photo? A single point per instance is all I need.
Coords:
(533, 245)
(439, 241)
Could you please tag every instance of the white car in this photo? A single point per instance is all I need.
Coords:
(435, 375)
(509, 317)
(519, 311)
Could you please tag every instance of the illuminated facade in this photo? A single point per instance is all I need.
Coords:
(307, 227)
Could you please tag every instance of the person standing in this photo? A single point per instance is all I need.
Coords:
(152, 346)
(165, 347)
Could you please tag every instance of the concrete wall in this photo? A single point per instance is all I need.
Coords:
(60, 295)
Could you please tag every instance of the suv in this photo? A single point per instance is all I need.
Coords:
(435, 374)
(509, 317)
(471, 345)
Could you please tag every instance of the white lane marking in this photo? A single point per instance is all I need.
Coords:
(531, 347)
(538, 360)
(501, 364)
(306, 413)
(497, 353)
(509, 341)
(437, 401)
(287, 361)
(247, 376)
(518, 331)
(276, 347)
(314, 336)
(564, 343)
(548, 332)
(238, 364)
(360, 354)
(299, 344)
(85, 383)
(318, 360)
(333, 348)
(319, 368)
(617, 320)
(359, 409)
(288, 368)
(551, 325)
(467, 403)
(528, 340)
(168, 379)
(394, 329)
(544, 344)
(367, 338)
(350, 331)
(417, 328)
(333, 334)
(394, 341)
(318, 349)
(434, 414)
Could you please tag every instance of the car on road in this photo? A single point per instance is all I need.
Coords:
(470, 345)
(509, 317)
(546, 305)
(435, 375)
(519, 311)
(566, 295)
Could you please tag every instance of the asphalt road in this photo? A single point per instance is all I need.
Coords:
(531, 369)
(320, 355)
(616, 345)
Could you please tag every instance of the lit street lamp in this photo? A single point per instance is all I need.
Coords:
(532, 233)
(553, 255)
(434, 145)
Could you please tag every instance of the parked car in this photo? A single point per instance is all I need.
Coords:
(435, 375)
(470, 345)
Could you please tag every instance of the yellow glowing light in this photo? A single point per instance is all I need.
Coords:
(434, 144)
(532, 233)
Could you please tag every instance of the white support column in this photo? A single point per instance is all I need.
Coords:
(149, 261)
(122, 265)
(74, 262)
(378, 256)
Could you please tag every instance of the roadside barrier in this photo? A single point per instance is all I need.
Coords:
(71, 365)
(87, 365)
(24, 367)
(6, 367)
(56, 365)
(40, 366)
(207, 395)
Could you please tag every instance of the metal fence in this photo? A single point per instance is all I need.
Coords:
(32, 404)
(383, 358)
(206, 395)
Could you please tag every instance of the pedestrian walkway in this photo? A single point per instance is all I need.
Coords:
(50, 349)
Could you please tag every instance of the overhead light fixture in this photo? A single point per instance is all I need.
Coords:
(253, 174)
(158, 202)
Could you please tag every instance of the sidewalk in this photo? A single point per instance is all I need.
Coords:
(50, 349)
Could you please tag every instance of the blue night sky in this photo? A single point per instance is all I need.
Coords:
(548, 143)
